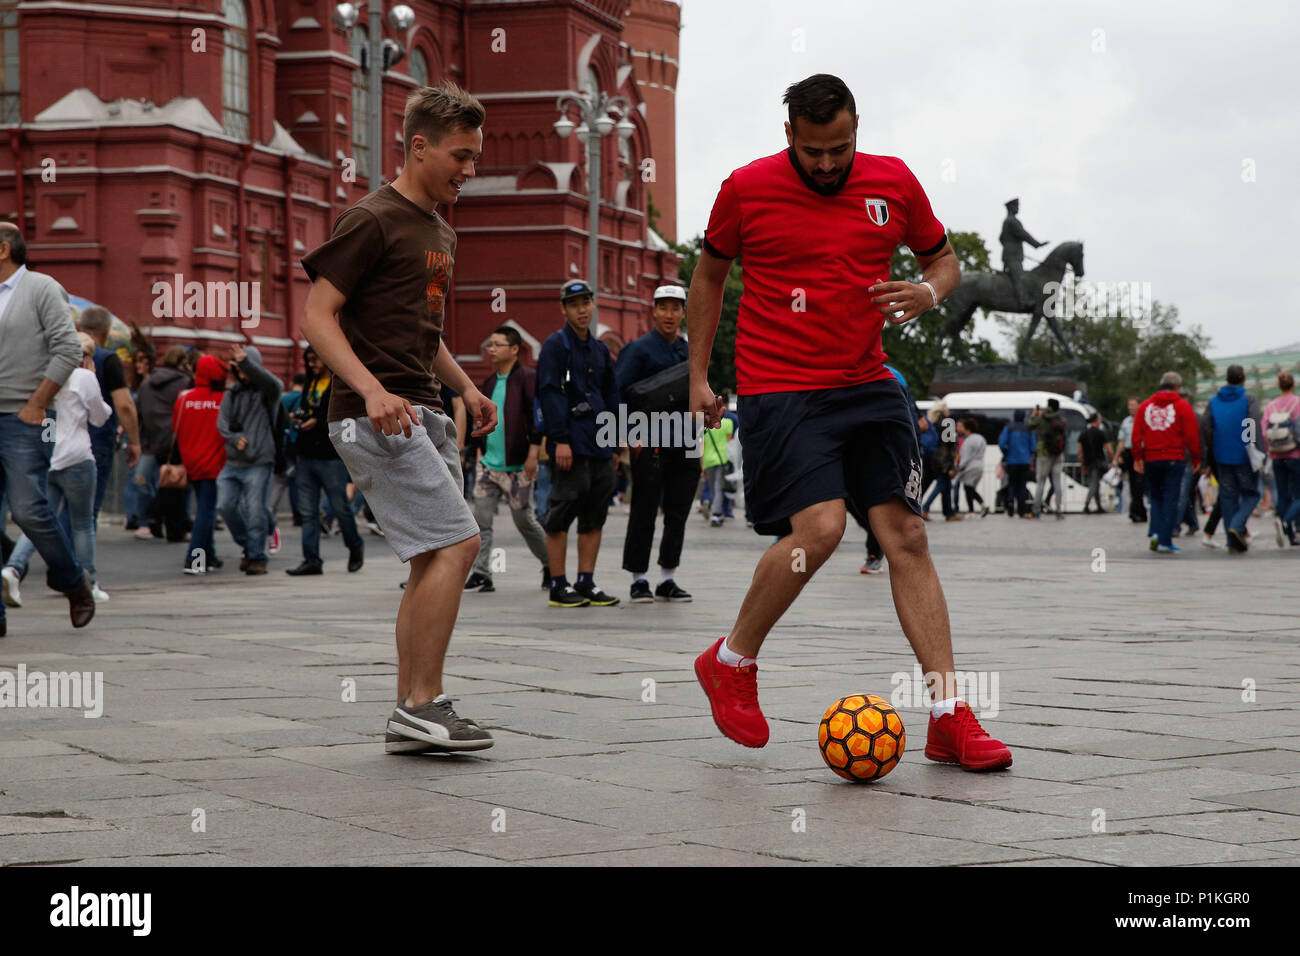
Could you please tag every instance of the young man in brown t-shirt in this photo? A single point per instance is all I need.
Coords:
(375, 317)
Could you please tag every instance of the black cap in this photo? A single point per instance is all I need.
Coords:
(574, 289)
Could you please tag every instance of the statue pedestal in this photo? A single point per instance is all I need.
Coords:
(1063, 378)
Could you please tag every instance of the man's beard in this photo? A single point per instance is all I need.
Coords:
(823, 189)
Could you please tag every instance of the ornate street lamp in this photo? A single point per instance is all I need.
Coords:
(594, 107)
(384, 52)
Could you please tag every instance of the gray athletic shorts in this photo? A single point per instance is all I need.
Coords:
(413, 485)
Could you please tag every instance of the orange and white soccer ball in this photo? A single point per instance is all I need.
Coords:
(861, 737)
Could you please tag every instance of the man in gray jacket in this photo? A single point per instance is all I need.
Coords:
(247, 423)
(38, 351)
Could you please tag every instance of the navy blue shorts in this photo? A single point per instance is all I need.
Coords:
(803, 448)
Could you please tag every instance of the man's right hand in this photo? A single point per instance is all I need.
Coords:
(563, 457)
(704, 402)
(31, 415)
(389, 414)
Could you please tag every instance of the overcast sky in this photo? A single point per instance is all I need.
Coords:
(1123, 124)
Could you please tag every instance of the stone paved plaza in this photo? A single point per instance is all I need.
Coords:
(1121, 678)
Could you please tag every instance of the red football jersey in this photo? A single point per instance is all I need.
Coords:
(806, 318)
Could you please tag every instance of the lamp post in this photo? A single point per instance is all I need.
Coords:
(594, 107)
(384, 52)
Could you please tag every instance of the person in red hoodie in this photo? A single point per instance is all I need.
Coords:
(203, 452)
(1164, 429)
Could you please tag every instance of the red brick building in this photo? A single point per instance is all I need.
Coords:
(218, 140)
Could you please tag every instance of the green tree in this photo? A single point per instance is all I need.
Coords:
(722, 363)
(1122, 356)
(911, 347)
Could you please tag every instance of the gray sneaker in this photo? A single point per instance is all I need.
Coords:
(435, 726)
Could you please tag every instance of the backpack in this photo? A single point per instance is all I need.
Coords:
(1054, 435)
(1280, 430)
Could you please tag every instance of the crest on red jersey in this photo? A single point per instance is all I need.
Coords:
(878, 211)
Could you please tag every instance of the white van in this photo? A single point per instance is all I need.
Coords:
(995, 410)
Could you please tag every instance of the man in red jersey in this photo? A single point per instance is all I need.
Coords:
(823, 419)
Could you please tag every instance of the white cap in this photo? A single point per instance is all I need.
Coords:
(670, 292)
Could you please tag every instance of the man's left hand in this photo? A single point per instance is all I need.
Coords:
(481, 412)
(132, 453)
(908, 298)
(530, 465)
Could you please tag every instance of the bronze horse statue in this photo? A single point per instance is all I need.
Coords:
(992, 290)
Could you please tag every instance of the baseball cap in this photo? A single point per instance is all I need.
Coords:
(571, 290)
(670, 292)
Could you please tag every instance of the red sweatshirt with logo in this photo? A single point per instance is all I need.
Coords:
(1163, 426)
(194, 421)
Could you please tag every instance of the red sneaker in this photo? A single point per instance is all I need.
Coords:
(733, 696)
(959, 738)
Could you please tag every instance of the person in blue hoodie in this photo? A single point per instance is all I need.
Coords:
(1231, 424)
(1018, 443)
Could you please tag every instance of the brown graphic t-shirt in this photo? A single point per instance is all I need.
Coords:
(393, 261)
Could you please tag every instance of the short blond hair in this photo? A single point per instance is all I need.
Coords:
(88, 345)
(435, 111)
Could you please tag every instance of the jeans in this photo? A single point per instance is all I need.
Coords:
(943, 491)
(489, 488)
(145, 482)
(1186, 514)
(105, 451)
(1018, 489)
(202, 547)
(1286, 472)
(543, 490)
(311, 477)
(241, 499)
(1239, 490)
(715, 479)
(1049, 467)
(75, 486)
(24, 463)
(1094, 485)
(1163, 480)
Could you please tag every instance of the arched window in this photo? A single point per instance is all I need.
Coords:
(360, 101)
(10, 114)
(418, 68)
(234, 70)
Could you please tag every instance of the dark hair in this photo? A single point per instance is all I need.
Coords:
(511, 334)
(299, 379)
(818, 99)
(971, 425)
(1285, 381)
(1236, 375)
(1054, 404)
(17, 244)
(174, 357)
(1095, 417)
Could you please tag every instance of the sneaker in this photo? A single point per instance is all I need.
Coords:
(567, 597)
(984, 511)
(304, 569)
(715, 522)
(1237, 541)
(733, 697)
(596, 596)
(356, 559)
(874, 565)
(959, 738)
(193, 569)
(641, 593)
(479, 582)
(1169, 549)
(436, 725)
(1153, 542)
(1278, 534)
(9, 588)
(273, 542)
(374, 529)
(255, 567)
(669, 591)
(98, 593)
(1208, 542)
(144, 534)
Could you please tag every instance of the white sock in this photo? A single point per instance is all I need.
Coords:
(729, 657)
(638, 576)
(944, 707)
(666, 574)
